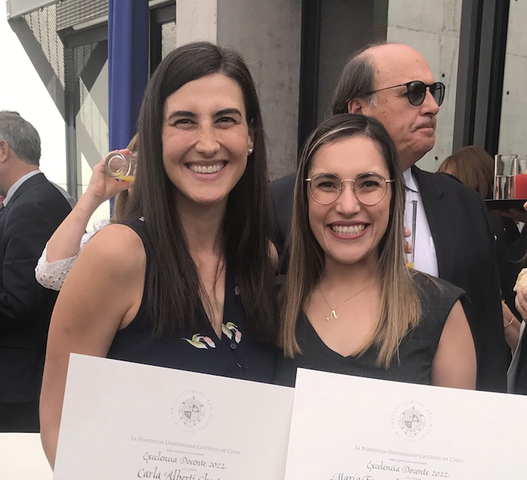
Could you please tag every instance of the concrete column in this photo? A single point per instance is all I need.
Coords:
(196, 20)
(267, 34)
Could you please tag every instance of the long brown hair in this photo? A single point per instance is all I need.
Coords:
(172, 280)
(473, 167)
(400, 307)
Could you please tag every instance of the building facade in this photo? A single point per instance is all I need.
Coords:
(296, 50)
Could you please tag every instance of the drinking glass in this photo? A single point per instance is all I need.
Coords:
(520, 177)
(121, 167)
(504, 176)
(410, 220)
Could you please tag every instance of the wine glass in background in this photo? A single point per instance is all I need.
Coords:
(504, 176)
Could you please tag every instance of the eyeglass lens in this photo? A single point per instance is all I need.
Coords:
(417, 92)
(369, 188)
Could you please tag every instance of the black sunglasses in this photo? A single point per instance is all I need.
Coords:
(416, 91)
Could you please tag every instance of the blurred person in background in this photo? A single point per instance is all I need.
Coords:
(31, 211)
(474, 167)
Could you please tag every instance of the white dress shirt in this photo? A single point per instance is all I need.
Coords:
(425, 259)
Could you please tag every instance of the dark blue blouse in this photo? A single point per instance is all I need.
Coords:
(236, 354)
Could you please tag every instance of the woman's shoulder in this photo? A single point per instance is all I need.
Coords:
(437, 298)
(436, 288)
(116, 244)
(114, 232)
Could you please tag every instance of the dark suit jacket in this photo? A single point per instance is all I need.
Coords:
(27, 222)
(459, 226)
(281, 211)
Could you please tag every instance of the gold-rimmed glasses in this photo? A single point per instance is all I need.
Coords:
(369, 188)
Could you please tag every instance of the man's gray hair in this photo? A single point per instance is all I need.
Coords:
(357, 81)
(21, 136)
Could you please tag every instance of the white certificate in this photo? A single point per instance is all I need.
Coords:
(352, 428)
(126, 421)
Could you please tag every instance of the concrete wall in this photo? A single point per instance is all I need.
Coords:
(267, 34)
(432, 28)
(514, 107)
(196, 20)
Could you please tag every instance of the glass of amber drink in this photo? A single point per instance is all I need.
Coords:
(121, 167)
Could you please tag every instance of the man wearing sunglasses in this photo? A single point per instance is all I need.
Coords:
(394, 84)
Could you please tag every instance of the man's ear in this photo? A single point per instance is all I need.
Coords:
(4, 151)
(355, 106)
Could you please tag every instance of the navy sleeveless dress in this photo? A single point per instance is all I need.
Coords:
(235, 354)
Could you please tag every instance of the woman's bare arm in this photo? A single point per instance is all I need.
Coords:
(454, 364)
(66, 240)
(102, 294)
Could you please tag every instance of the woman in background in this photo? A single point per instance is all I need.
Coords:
(184, 279)
(474, 168)
(63, 248)
(350, 305)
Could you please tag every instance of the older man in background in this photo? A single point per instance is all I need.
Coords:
(31, 211)
(394, 84)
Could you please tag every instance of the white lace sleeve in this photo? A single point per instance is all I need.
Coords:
(52, 275)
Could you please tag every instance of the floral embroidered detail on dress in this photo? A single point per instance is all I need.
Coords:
(201, 341)
(231, 330)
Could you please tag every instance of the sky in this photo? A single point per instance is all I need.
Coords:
(22, 90)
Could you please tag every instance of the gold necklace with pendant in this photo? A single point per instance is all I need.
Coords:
(332, 313)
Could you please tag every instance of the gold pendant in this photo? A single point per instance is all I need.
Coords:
(331, 315)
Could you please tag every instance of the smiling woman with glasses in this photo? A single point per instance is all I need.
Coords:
(349, 304)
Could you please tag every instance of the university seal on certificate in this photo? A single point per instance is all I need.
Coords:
(191, 410)
(411, 421)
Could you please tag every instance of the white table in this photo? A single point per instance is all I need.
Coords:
(22, 457)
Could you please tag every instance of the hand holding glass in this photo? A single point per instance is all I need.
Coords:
(121, 167)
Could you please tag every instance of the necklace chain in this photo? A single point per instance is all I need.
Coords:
(332, 314)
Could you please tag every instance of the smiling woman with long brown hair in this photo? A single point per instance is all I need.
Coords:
(350, 305)
(184, 279)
